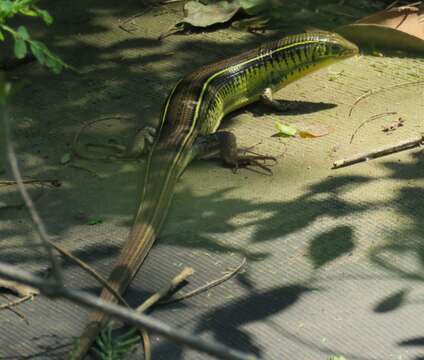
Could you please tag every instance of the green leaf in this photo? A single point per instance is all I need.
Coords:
(20, 48)
(45, 57)
(6, 7)
(1, 36)
(47, 18)
(23, 32)
(66, 157)
(94, 221)
(28, 11)
(38, 52)
(54, 63)
(5, 90)
(284, 130)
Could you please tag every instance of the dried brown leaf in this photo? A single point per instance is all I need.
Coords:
(200, 15)
(311, 130)
(399, 28)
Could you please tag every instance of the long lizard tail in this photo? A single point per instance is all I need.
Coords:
(132, 256)
(155, 200)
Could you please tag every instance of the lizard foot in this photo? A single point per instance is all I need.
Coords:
(141, 143)
(254, 160)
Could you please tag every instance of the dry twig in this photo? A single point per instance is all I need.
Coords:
(378, 90)
(175, 282)
(52, 182)
(207, 286)
(85, 126)
(44, 237)
(11, 305)
(372, 118)
(88, 269)
(131, 317)
(383, 151)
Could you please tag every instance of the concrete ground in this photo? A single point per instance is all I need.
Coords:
(335, 258)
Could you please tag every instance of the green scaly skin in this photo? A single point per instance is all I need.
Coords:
(192, 113)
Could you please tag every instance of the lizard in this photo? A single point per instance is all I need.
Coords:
(188, 126)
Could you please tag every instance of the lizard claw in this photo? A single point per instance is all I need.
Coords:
(254, 160)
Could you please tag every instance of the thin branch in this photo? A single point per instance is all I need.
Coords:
(74, 146)
(379, 90)
(88, 269)
(370, 119)
(27, 199)
(175, 282)
(131, 317)
(147, 344)
(207, 286)
(383, 151)
(11, 305)
(52, 182)
(14, 303)
(46, 242)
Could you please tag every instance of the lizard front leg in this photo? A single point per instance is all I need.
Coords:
(277, 105)
(224, 145)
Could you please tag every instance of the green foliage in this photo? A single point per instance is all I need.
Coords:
(23, 44)
(74, 350)
(111, 347)
(5, 90)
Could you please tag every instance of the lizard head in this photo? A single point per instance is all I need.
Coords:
(332, 46)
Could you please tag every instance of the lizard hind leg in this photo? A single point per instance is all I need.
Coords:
(223, 144)
(141, 143)
(139, 146)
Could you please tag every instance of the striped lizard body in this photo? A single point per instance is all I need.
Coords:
(192, 113)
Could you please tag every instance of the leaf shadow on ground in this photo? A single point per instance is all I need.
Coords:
(227, 322)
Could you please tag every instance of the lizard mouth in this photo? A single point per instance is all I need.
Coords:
(351, 51)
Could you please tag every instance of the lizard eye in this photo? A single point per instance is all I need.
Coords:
(336, 49)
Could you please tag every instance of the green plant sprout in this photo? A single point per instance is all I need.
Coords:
(22, 39)
(114, 348)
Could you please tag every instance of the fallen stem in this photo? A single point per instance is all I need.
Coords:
(52, 289)
(372, 118)
(11, 305)
(52, 182)
(88, 269)
(205, 287)
(175, 282)
(15, 302)
(88, 124)
(44, 237)
(383, 151)
(378, 90)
